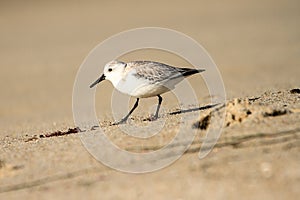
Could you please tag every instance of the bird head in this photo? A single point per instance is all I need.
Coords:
(112, 72)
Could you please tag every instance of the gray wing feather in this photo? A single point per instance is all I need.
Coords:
(156, 72)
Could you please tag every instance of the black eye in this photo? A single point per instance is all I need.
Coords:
(110, 69)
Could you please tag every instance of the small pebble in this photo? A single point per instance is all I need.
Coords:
(266, 169)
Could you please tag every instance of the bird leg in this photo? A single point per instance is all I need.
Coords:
(131, 111)
(158, 107)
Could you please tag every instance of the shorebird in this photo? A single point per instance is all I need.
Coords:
(143, 79)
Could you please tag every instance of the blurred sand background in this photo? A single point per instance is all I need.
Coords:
(255, 44)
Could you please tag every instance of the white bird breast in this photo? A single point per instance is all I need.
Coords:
(140, 87)
(143, 88)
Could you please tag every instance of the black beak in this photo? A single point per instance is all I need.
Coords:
(98, 81)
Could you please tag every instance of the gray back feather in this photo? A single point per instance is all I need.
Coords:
(155, 72)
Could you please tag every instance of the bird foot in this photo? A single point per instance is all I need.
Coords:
(94, 127)
(151, 118)
(123, 121)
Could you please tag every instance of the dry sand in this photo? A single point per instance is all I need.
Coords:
(256, 46)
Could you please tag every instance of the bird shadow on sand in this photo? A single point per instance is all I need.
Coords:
(177, 112)
(193, 109)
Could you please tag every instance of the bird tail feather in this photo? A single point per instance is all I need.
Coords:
(188, 71)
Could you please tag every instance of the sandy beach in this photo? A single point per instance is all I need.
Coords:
(256, 46)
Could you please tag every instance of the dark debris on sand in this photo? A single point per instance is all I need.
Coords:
(54, 134)
(60, 133)
(295, 91)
